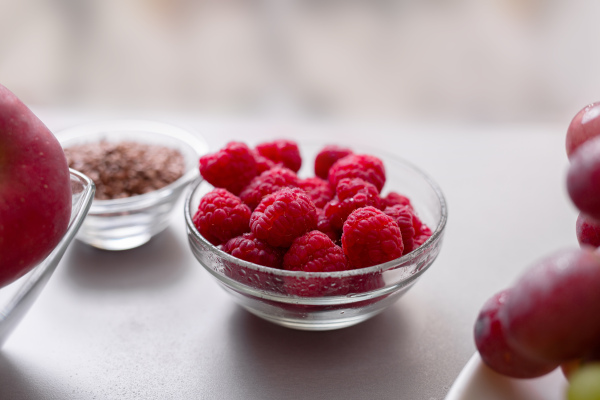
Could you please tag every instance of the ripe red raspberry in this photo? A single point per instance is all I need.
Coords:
(315, 286)
(327, 157)
(370, 237)
(266, 183)
(366, 283)
(350, 195)
(283, 216)
(248, 248)
(231, 168)
(393, 199)
(421, 235)
(221, 216)
(324, 225)
(262, 163)
(369, 168)
(282, 151)
(405, 218)
(314, 252)
(318, 189)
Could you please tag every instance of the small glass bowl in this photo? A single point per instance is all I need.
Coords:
(17, 297)
(122, 224)
(327, 300)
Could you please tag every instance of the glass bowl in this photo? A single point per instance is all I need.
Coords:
(17, 297)
(327, 300)
(121, 224)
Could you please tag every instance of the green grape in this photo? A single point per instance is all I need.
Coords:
(585, 383)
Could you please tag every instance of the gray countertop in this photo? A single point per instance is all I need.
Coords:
(151, 323)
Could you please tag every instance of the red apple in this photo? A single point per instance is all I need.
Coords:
(35, 189)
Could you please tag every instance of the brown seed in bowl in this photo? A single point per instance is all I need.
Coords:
(126, 168)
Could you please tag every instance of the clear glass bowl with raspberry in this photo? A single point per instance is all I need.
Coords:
(327, 300)
(17, 297)
(134, 200)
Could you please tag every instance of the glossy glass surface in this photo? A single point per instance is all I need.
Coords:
(17, 298)
(122, 224)
(345, 298)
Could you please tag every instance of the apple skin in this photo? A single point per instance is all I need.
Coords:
(35, 189)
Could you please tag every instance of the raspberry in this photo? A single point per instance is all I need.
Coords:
(283, 216)
(266, 183)
(422, 234)
(262, 163)
(327, 157)
(324, 225)
(405, 218)
(313, 286)
(366, 283)
(422, 231)
(232, 167)
(370, 237)
(362, 166)
(393, 199)
(282, 151)
(587, 231)
(315, 252)
(248, 248)
(221, 216)
(350, 195)
(318, 189)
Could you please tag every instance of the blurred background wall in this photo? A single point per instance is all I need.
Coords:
(492, 61)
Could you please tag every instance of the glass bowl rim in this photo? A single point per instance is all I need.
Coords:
(179, 133)
(424, 248)
(33, 282)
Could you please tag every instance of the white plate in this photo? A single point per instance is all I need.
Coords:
(477, 382)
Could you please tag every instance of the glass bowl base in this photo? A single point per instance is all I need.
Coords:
(310, 323)
(116, 244)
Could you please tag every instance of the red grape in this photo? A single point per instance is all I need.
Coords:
(552, 311)
(583, 178)
(588, 231)
(569, 367)
(584, 126)
(495, 352)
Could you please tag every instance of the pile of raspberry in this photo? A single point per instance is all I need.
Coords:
(261, 211)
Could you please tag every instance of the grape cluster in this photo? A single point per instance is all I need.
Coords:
(551, 316)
